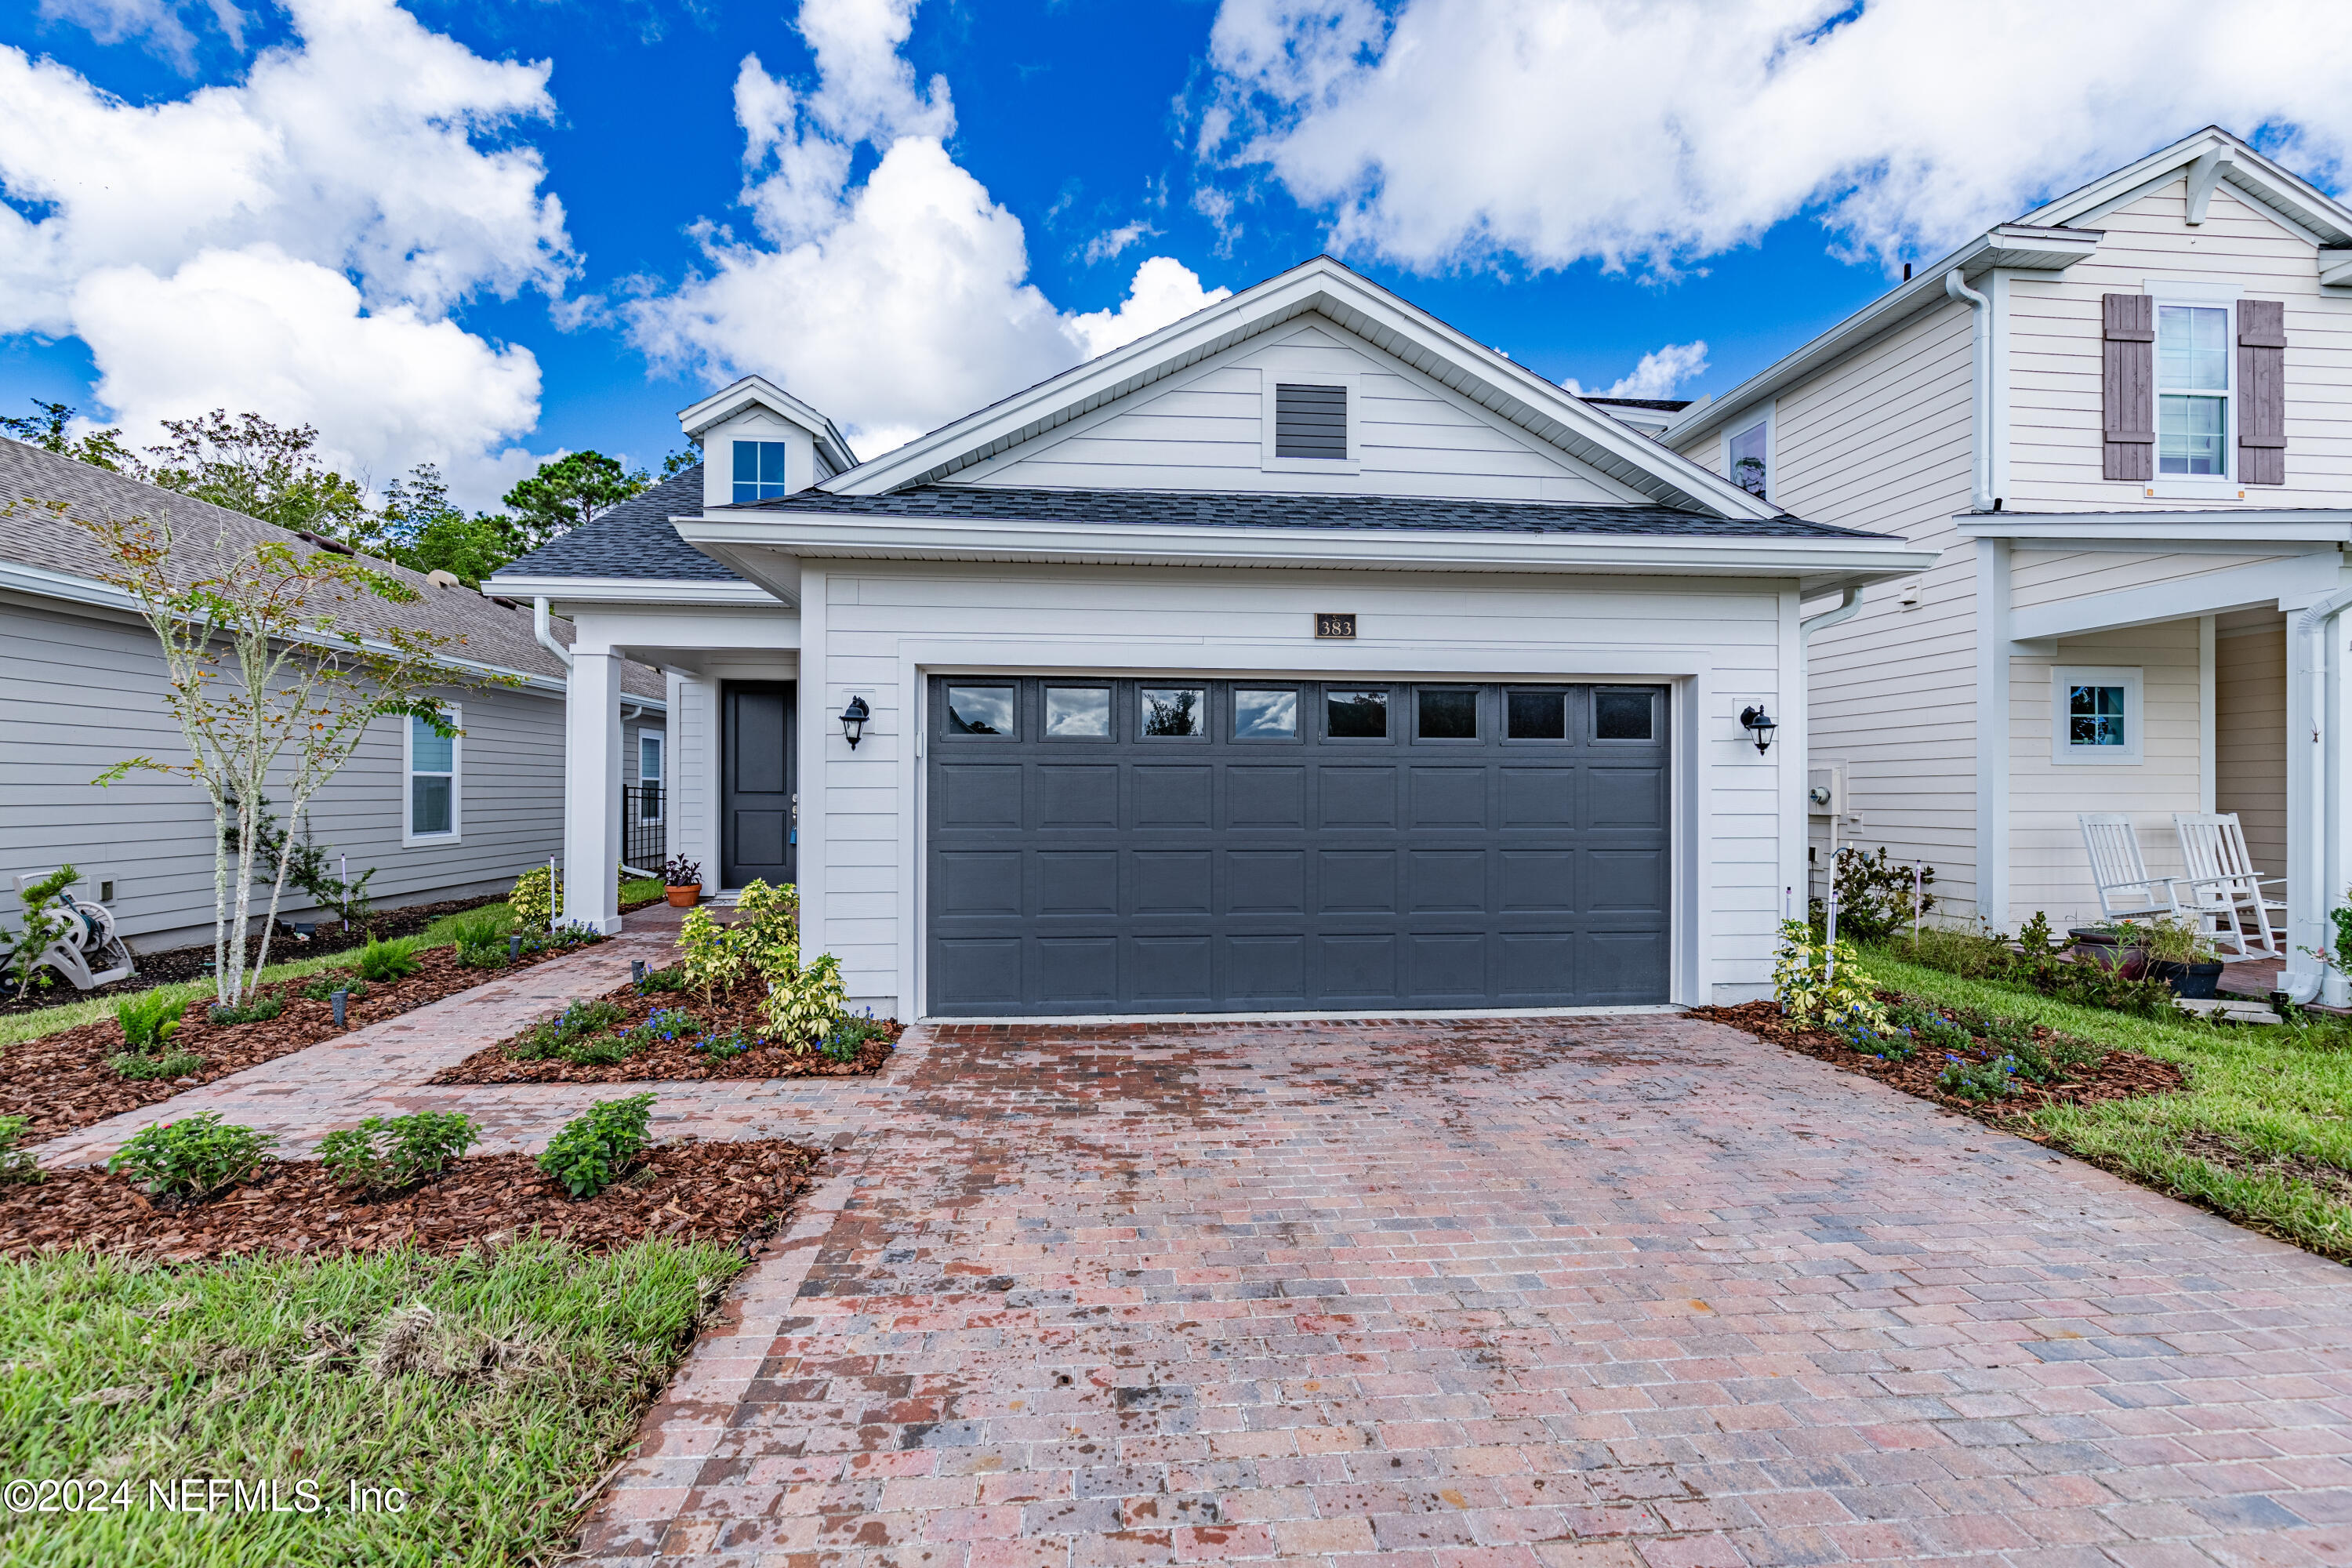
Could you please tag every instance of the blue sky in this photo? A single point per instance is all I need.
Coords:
(1577, 192)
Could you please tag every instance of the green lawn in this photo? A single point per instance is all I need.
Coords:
(493, 1389)
(2272, 1095)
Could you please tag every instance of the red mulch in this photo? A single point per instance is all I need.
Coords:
(62, 1082)
(736, 1008)
(2118, 1075)
(729, 1192)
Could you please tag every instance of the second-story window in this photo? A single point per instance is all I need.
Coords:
(1749, 460)
(758, 471)
(2193, 390)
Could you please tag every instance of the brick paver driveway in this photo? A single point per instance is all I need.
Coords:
(1624, 1290)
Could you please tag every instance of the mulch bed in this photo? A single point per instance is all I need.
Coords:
(62, 1082)
(737, 1008)
(2118, 1075)
(734, 1194)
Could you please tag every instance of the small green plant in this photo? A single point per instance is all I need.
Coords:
(260, 1010)
(1873, 1037)
(139, 1064)
(1943, 1034)
(849, 1037)
(1807, 985)
(663, 980)
(385, 961)
(16, 1163)
(535, 904)
(713, 957)
(569, 1032)
(2034, 935)
(562, 939)
(385, 1152)
(477, 928)
(1982, 1082)
(43, 921)
(323, 986)
(668, 1025)
(721, 1047)
(482, 954)
(149, 1018)
(193, 1157)
(802, 1007)
(2170, 940)
(595, 1148)
(1874, 895)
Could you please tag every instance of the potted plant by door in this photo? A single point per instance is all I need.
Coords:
(682, 882)
(2118, 946)
(2179, 957)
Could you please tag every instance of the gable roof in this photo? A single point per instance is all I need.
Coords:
(1355, 303)
(55, 557)
(2052, 236)
(1282, 509)
(759, 390)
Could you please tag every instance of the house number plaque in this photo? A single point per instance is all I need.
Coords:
(1331, 625)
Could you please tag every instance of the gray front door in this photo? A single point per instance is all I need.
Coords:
(755, 783)
(1119, 845)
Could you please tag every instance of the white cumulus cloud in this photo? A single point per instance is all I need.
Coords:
(894, 305)
(1656, 375)
(157, 21)
(337, 205)
(1649, 135)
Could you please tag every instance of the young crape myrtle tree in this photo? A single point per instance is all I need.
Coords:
(273, 685)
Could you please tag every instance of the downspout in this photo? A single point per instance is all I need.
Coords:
(1848, 604)
(1980, 497)
(545, 633)
(2311, 632)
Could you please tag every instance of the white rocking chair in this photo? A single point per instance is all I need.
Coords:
(79, 933)
(2126, 890)
(2226, 887)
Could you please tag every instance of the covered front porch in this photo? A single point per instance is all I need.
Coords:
(2161, 666)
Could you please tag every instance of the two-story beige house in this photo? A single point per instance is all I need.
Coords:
(2126, 420)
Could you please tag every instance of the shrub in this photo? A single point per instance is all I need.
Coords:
(395, 1151)
(713, 958)
(844, 1044)
(2034, 935)
(564, 1034)
(385, 961)
(149, 1018)
(193, 1157)
(663, 980)
(1980, 1082)
(1807, 985)
(535, 906)
(1873, 896)
(323, 987)
(593, 1149)
(803, 1007)
(16, 1163)
(43, 921)
(138, 1064)
(768, 926)
(677, 872)
(260, 1010)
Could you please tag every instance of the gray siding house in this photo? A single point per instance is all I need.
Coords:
(83, 684)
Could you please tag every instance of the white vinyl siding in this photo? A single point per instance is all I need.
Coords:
(1409, 435)
(2051, 458)
(2250, 734)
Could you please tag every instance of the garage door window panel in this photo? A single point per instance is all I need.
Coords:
(1266, 713)
(983, 711)
(1077, 713)
(1624, 716)
(1444, 716)
(1355, 713)
(1173, 713)
(1539, 715)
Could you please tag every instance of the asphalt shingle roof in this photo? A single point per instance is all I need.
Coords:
(1225, 509)
(634, 539)
(34, 534)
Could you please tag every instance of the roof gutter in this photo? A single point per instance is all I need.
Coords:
(1981, 494)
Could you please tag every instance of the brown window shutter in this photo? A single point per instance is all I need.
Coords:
(2128, 386)
(2262, 392)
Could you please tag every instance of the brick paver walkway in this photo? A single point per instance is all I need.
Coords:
(1583, 1291)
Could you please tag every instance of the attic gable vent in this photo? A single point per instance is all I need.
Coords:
(1310, 421)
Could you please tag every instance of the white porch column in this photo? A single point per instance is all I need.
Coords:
(592, 768)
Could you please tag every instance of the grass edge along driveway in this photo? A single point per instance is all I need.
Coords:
(2262, 1136)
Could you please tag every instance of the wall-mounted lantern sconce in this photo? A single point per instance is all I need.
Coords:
(853, 721)
(1760, 727)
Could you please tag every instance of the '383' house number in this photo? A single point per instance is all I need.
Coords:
(1328, 625)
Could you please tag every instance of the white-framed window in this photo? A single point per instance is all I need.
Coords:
(432, 766)
(649, 777)
(2096, 715)
(758, 471)
(2195, 423)
(1748, 458)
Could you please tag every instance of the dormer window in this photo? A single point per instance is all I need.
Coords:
(1310, 422)
(758, 471)
(1748, 458)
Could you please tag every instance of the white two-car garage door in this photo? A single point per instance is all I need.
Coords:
(1123, 846)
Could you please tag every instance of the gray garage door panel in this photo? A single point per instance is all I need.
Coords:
(1076, 872)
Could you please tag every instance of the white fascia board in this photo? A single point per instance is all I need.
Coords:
(2203, 594)
(728, 401)
(2023, 247)
(64, 585)
(633, 591)
(1552, 413)
(1822, 561)
(2129, 530)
